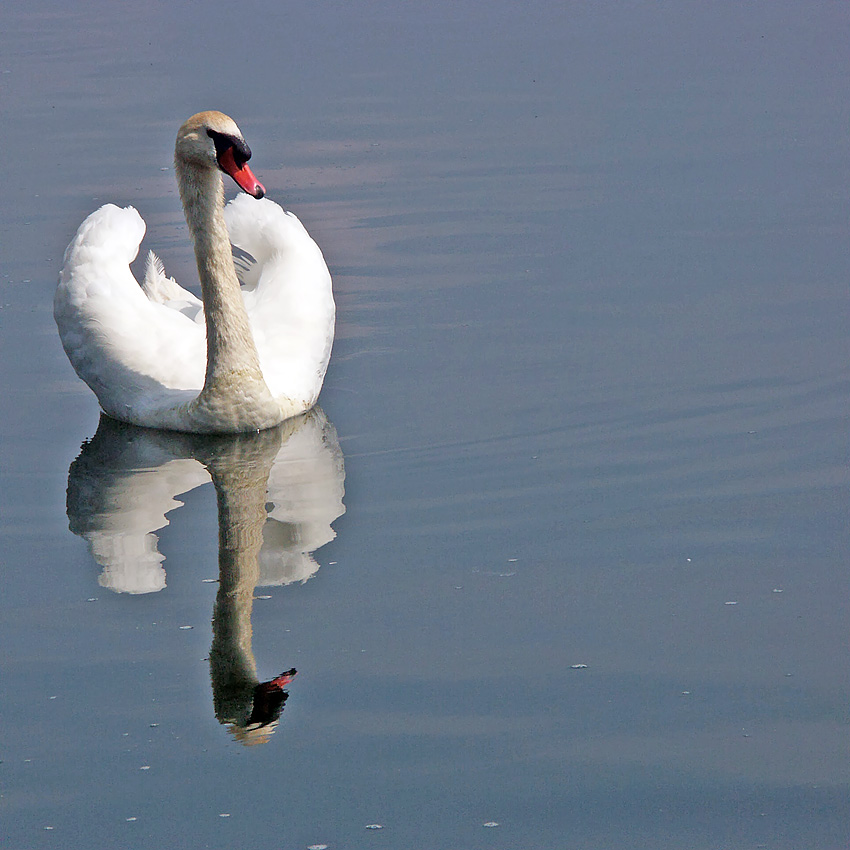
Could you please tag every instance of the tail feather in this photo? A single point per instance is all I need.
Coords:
(165, 290)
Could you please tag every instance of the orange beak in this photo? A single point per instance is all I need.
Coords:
(243, 175)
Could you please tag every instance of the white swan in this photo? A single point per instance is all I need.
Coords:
(246, 358)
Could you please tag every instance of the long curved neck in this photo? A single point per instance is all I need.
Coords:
(232, 359)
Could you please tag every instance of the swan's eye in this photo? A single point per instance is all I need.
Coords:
(224, 142)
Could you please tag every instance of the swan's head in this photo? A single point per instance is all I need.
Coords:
(211, 140)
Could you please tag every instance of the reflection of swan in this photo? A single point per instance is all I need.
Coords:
(127, 479)
(277, 492)
(142, 350)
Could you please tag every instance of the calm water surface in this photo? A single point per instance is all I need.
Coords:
(573, 513)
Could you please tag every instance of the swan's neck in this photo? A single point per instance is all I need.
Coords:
(233, 366)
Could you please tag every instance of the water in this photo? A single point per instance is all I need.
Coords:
(587, 406)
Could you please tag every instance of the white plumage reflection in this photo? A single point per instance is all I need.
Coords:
(277, 493)
(126, 482)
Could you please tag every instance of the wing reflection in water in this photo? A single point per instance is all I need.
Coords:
(278, 491)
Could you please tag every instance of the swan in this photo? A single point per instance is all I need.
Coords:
(249, 355)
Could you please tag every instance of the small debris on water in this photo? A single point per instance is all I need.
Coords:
(494, 573)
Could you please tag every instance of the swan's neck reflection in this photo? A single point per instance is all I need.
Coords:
(277, 494)
(249, 707)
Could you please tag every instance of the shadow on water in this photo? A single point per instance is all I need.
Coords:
(277, 491)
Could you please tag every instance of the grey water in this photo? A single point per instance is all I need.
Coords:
(562, 560)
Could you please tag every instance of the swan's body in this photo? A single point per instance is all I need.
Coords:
(245, 358)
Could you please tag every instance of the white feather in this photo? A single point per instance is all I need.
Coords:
(287, 295)
(165, 290)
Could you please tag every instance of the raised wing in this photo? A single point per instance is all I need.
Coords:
(287, 294)
(135, 354)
